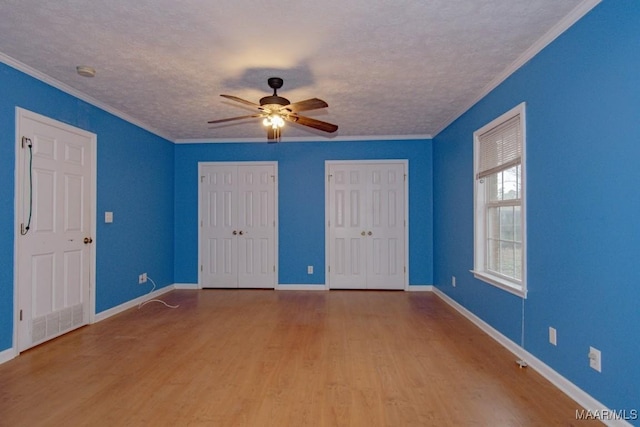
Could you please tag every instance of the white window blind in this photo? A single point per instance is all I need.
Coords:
(500, 148)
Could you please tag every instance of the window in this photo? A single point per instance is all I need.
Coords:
(499, 193)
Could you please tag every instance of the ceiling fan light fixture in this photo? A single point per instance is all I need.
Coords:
(274, 121)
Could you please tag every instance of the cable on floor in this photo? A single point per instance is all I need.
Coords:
(155, 299)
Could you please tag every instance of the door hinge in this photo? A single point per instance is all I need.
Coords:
(273, 178)
(21, 315)
(202, 178)
(329, 268)
(405, 269)
(329, 177)
(201, 269)
(405, 177)
(274, 268)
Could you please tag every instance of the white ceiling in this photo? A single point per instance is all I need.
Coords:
(386, 68)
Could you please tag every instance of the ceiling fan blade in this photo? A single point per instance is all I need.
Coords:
(234, 118)
(313, 123)
(240, 100)
(307, 104)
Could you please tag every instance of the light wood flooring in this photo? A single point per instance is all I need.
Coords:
(279, 358)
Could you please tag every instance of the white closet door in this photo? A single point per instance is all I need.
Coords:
(237, 225)
(366, 225)
(386, 228)
(347, 202)
(55, 255)
(218, 222)
(256, 226)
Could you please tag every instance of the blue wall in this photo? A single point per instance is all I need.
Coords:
(301, 194)
(583, 156)
(135, 181)
(583, 148)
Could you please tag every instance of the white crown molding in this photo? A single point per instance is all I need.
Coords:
(307, 139)
(14, 63)
(574, 16)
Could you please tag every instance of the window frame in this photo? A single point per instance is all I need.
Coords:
(481, 204)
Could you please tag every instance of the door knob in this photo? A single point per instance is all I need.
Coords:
(234, 232)
(369, 233)
(363, 234)
(241, 232)
(88, 240)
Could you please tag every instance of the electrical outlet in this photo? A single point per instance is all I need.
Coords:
(142, 278)
(595, 359)
(553, 338)
(310, 269)
(453, 281)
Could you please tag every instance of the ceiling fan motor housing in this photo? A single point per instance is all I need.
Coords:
(275, 100)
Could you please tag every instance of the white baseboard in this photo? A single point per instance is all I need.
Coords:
(420, 288)
(567, 387)
(186, 286)
(129, 304)
(288, 287)
(7, 355)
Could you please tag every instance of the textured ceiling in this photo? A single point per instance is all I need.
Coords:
(386, 68)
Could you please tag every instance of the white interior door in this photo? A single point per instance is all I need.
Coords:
(238, 224)
(256, 224)
(386, 226)
(347, 222)
(55, 179)
(218, 226)
(366, 225)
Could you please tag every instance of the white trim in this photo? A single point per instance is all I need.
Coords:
(20, 115)
(131, 303)
(327, 233)
(420, 288)
(362, 138)
(14, 63)
(567, 387)
(292, 287)
(186, 286)
(574, 16)
(7, 355)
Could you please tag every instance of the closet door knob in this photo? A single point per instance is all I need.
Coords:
(241, 232)
(363, 234)
(234, 232)
(370, 233)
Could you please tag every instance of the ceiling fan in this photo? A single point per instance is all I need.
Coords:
(275, 110)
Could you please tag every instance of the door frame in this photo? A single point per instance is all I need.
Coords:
(275, 214)
(327, 213)
(19, 173)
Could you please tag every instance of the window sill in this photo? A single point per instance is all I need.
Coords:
(519, 290)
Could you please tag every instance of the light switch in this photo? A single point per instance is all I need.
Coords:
(108, 217)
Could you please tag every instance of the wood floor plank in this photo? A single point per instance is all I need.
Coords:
(279, 358)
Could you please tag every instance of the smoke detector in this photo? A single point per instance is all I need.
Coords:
(85, 71)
